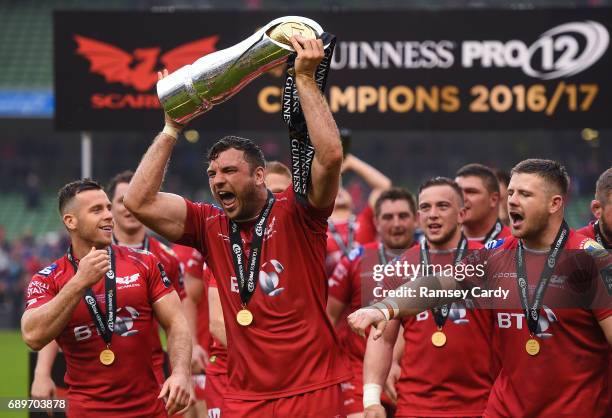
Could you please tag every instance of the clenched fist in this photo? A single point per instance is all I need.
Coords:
(310, 53)
(93, 267)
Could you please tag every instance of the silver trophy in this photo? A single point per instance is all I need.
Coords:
(194, 89)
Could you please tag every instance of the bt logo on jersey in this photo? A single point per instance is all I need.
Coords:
(511, 320)
(124, 325)
(457, 313)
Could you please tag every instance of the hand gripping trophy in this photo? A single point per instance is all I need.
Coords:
(214, 78)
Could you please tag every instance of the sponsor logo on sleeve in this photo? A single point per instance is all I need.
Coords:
(36, 288)
(48, 270)
(593, 248)
(355, 252)
(493, 244)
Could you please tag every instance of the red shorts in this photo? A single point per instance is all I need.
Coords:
(215, 389)
(352, 392)
(352, 401)
(79, 410)
(320, 403)
(199, 386)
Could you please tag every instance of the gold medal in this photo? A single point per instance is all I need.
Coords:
(107, 357)
(438, 339)
(244, 317)
(532, 347)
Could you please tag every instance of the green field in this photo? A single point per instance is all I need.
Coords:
(13, 370)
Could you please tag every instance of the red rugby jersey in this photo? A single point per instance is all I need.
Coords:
(569, 376)
(589, 231)
(453, 380)
(193, 265)
(218, 353)
(127, 388)
(363, 231)
(290, 348)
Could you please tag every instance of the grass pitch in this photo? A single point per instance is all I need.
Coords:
(13, 371)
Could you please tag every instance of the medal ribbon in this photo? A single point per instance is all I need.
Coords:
(494, 232)
(440, 314)
(599, 236)
(104, 323)
(532, 313)
(344, 248)
(302, 151)
(248, 282)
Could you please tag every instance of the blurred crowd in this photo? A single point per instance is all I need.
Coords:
(19, 259)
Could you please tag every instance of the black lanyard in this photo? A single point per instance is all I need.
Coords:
(247, 284)
(104, 323)
(440, 314)
(532, 313)
(494, 232)
(344, 248)
(302, 151)
(382, 257)
(599, 236)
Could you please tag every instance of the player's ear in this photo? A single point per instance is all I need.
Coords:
(461, 215)
(596, 208)
(70, 221)
(555, 203)
(494, 199)
(260, 175)
(377, 224)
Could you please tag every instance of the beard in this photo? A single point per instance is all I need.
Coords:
(537, 226)
(250, 208)
(401, 243)
(606, 230)
(443, 239)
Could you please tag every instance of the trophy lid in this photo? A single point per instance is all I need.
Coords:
(284, 31)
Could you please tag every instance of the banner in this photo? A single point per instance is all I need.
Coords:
(394, 70)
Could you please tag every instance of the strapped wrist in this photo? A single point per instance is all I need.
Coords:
(171, 131)
(371, 394)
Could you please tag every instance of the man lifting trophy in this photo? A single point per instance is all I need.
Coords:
(266, 250)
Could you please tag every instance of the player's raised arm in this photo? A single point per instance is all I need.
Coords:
(374, 178)
(165, 213)
(325, 175)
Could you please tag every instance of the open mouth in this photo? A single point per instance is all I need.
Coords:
(434, 228)
(228, 199)
(108, 229)
(516, 219)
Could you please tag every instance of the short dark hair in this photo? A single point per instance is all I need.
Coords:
(393, 194)
(70, 190)
(123, 177)
(483, 172)
(551, 171)
(252, 153)
(443, 181)
(276, 167)
(503, 177)
(603, 187)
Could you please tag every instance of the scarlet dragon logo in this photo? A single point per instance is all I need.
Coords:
(136, 70)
